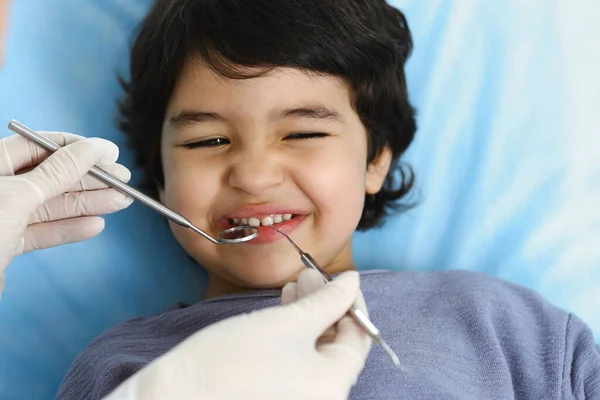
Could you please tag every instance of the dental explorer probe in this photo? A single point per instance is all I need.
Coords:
(228, 236)
(356, 313)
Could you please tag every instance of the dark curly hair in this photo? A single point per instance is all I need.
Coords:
(364, 42)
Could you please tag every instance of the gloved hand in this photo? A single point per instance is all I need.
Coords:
(268, 354)
(308, 284)
(50, 204)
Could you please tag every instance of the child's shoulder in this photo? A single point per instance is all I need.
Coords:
(477, 334)
(458, 291)
(440, 282)
(183, 320)
(447, 278)
(119, 352)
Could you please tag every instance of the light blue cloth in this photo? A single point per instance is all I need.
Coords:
(506, 161)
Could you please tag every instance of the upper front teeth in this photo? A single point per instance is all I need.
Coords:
(266, 221)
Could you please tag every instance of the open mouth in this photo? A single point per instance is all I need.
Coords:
(273, 219)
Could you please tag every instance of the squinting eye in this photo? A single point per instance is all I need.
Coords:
(213, 142)
(307, 135)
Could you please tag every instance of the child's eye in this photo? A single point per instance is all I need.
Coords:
(213, 142)
(306, 135)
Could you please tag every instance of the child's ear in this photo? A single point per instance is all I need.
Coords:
(377, 170)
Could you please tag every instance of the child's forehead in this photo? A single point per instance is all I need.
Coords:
(200, 85)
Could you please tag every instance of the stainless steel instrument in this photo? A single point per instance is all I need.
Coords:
(354, 311)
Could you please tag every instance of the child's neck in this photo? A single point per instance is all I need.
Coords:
(218, 286)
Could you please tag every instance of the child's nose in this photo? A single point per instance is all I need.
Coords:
(255, 172)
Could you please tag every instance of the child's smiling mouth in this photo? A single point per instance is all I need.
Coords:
(261, 217)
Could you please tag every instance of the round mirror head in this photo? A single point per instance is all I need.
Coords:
(238, 234)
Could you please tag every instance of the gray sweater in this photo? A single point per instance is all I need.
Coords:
(462, 335)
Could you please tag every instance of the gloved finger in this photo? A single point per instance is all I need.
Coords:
(80, 204)
(309, 281)
(326, 306)
(288, 293)
(90, 183)
(63, 169)
(348, 334)
(56, 233)
(17, 152)
(352, 335)
(328, 336)
(349, 350)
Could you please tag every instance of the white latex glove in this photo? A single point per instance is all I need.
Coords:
(268, 354)
(50, 204)
(308, 284)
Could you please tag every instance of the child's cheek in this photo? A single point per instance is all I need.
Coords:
(338, 192)
(189, 191)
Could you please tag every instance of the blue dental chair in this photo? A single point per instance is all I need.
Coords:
(506, 160)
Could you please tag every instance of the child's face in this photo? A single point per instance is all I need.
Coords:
(285, 143)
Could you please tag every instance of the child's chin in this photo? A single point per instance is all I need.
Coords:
(267, 279)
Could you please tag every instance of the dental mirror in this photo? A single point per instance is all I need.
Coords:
(238, 234)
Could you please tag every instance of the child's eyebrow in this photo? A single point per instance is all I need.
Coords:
(318, 112)
(190, 117)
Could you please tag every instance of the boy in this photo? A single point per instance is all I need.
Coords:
(295, 113)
